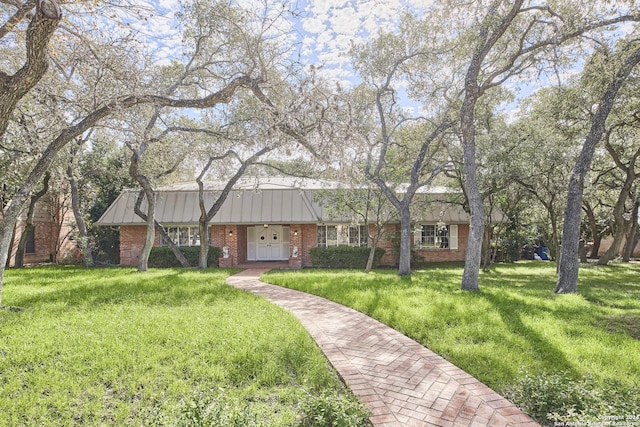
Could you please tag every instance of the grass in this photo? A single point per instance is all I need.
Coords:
(167, 347)
(514, 325)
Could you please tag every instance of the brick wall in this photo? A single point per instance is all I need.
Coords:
(220, 238)
(132, 239)
(242, 244)
(295, 240)
(52, 241)
(309, 240)
(386, 243)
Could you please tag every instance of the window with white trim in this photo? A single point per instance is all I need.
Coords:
(182, 236)
(431, 236)
(358, 235)
(341, 235)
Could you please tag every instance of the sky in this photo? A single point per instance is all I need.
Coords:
(325, 29)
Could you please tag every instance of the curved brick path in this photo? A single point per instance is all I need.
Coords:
(401, 382)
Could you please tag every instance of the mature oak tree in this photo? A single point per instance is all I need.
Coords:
(569, 265)
(507, 40)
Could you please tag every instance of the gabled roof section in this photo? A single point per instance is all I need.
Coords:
(240, 207)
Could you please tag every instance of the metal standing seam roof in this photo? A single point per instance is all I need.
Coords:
(240, 207)
(272, 204)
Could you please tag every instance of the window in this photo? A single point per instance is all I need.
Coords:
(183, 236)
(358, 235)
(342, 235)
(31, 242)
(432, 236)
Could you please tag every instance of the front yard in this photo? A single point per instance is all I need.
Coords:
(179, 347)
(575, 355)
(168, 347)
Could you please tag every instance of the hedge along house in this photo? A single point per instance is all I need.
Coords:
(280, 219)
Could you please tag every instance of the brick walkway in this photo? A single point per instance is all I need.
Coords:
(401, 382)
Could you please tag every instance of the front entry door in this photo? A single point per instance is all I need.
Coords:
(269, 243)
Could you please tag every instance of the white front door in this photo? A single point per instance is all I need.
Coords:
(269, 243)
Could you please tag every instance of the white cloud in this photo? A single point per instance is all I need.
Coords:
(314, 25)
(330, 27)
(345, 21)
(172, 5)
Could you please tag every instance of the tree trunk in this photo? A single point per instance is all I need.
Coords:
(22, 244)
(28, 229)
(207, 215)
(404, 267)
(596, 246)
(569, 265)
(614, 249)
(143, 261)
(631, 242)
(593, 227)
(486, 249)
(85, 246)
(204, 241)
(473, 255)
(554, 234)
(13, 238)
(14, 88)
(582, 252)
(372, 252)
(149, 216)
(203, 220)
(619, 223)
(491, 30)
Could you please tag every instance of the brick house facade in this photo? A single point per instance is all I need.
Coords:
(281, 221)
(51, 240)
(132, 239)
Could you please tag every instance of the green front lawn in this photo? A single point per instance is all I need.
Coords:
(515, 332)
(166, 347)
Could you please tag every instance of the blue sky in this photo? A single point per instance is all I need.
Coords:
(325, 28)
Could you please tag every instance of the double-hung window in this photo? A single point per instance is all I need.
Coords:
(432, 236)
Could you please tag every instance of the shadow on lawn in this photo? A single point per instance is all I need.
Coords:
(511, 310)
(94, 287)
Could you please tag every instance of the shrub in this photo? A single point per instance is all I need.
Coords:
(416, 260)
(163, 256)
(558, 398)
(331, 409)
(344, 257)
